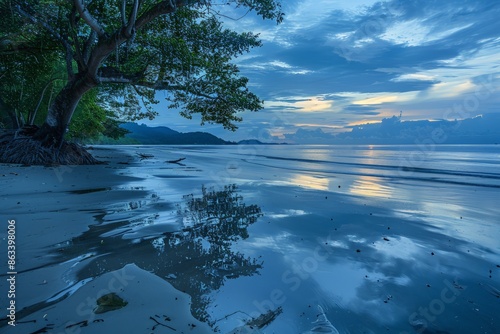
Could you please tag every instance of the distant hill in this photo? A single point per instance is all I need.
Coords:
(162, 135)
(256, 142)
(250, 142)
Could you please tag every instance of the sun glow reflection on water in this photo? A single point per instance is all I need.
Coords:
(370, 186)
(310, 182)
(330, 197)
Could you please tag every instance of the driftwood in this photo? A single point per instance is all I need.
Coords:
(160, 324)
(175, 161)
(264, 319)
(254, 325)
(145, 155)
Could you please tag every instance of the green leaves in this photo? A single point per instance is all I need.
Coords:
(268, 9)
(186, 52)
(193, 61)
(88, 121)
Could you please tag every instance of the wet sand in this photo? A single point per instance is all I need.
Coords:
(243, 231)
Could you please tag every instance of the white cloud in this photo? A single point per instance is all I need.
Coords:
(451, 89)
(343, 36)
(416, 32)
(301, 72)
(280, 64)
(275, 65)
(303, 104)
(381, 98)
(421, 60)
(411, 33)
(414, 76)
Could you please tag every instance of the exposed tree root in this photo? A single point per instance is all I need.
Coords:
(23, 149)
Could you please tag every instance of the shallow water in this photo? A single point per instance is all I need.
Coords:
(386, 239)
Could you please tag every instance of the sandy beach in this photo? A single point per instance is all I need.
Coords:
(229, 234)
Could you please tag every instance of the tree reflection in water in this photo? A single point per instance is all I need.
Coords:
(196, 259)
(203, 257)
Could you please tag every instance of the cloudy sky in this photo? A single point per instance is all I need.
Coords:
(335, 64)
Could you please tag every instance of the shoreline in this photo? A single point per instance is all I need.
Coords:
(50, 207)
(387, 234)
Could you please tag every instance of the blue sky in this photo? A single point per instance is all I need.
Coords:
(332, 65)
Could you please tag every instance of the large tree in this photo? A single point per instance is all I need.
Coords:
(129, 49)
(31, 74)
(29, 71)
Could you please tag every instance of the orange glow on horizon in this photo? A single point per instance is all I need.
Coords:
(363, 122)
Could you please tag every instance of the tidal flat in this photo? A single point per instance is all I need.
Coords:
(384, 239)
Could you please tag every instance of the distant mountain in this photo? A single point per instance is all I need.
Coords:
(256, 142)
(250, 142)
(162, 135)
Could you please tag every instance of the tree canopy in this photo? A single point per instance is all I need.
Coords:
(128, 49)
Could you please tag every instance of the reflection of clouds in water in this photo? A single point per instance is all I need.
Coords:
(286, 213)
(340, 280)
(461, 223)
(407, 213)
(196, 257)
(357, 284)
(159, 244)
(398, 247)
(204, 243)
(343, 279)
(401, 280)
(345, 283)
(467, 222)
(278, 243)
(338, 244)
(356, 239)
(442, 209)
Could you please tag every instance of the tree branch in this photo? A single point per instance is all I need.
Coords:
(119, 78)
(64, 41)
(131, 20)
(166, 86)
(113, 75)
(159, 85)
(76, 42)
(32, 115)
(69, 63)
(106, 44)
(122, 11)
(161, 8)
(115, 80)
(44, 25)
(88, 18)
(88, 45)
(26, 48)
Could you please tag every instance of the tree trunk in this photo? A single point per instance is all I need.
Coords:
(51, 133)
(46, 146)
